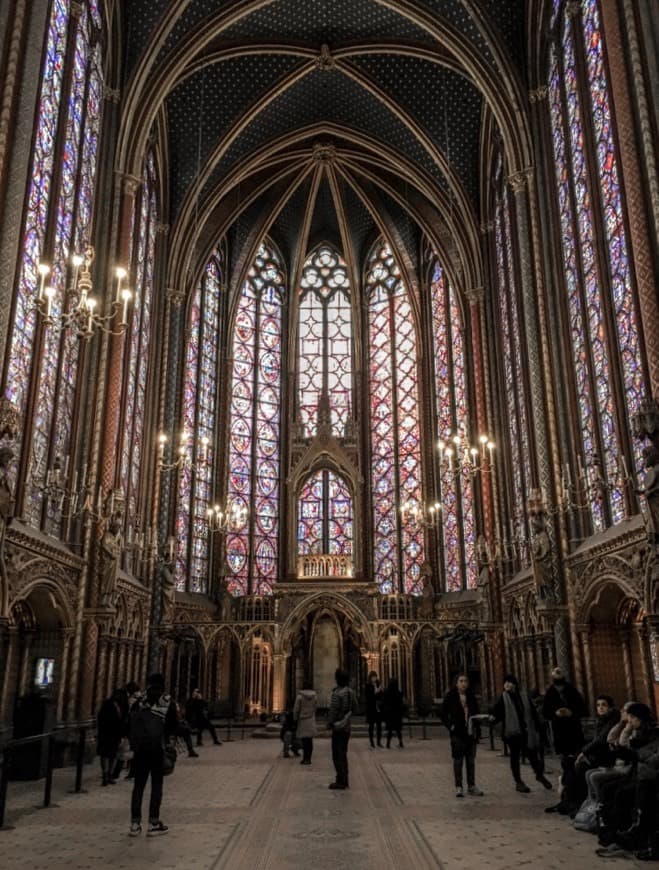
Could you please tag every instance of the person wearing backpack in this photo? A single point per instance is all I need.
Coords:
(342, 706)
(153, 723)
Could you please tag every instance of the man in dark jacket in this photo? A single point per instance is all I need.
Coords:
(196, 712)
(521, 731)
(564, 708)
(457, 712)
(343, 705)
(153, 723)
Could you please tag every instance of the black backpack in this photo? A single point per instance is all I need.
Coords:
(147, 729)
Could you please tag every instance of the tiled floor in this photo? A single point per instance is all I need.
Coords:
(242, 806)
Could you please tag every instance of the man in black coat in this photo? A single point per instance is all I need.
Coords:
(564, 708)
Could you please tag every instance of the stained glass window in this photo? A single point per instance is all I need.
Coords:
(594, 282)
(252, 551)
(395, 432)
(456, 492)
(195, 494)
(324, 341)
(60, 197)
(139, 342)
(324, 516)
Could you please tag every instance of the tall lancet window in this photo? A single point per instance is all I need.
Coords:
(252, 551)
(325, 516)
(58, 218)
(457, 495)
(324, 341)
(139, 342)
(198, 421)
(395, 433)
(600, 294)
(509, 313)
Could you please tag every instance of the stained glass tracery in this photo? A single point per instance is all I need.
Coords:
(324, 341)
(198, 421)
(395, 431)
(325, 516)
(579, 99)
(252, 551)
(60, 195)
(456, 493)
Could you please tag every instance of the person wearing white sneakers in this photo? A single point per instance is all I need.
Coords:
(153, 723)
(459, 707)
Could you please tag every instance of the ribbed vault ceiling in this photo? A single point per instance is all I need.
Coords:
(310, 119)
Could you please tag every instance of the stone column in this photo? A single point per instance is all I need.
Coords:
(641, 638)
(11, 673)
(640, 190)
(531, 677)
(64, 673)
(26, 659)
(584, 631)
(623, 635)
(519, 182)
(541, 677)
(278, 682)
(101, 672)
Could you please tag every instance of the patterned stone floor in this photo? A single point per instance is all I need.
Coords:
(241, 806)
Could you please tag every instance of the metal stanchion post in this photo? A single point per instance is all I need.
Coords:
(492, 736)
(229, 738)
(4, 782)
(80, 758)
(424, 734)
(50, 760)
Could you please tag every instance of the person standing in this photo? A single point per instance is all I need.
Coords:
(564, 708)
(374, 695)
(109, 732)
(458, 707)
(304, 712)
(342, 706)
(153, 723)
(521, 731)
(196, 712)
(392, 705)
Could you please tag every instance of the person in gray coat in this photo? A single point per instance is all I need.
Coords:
(304, 713)
(342, 706)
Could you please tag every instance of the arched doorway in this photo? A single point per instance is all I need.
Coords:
(615, 648)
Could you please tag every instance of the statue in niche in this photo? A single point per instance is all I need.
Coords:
(6, 516)
(427, 609)
(541, 554)
(223, 598)
(651, 492)
(483, 581)
(168, 586)
(109, 560)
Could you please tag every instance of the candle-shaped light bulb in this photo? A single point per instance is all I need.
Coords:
(121, 273)
(50, 295)
(126, 296)
(449, 456)
(43, 269)
(162, 440)
(456, 440)
(91, 304)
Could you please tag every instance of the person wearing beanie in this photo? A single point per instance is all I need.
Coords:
(564, 708)
(520, 730)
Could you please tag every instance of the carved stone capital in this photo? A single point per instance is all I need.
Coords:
(487, 227)
(163, 229)
(538, 94)
(175, 296)
(131, 183)
(572, 8)
(112, 95)
(519, 180)
(475, 295)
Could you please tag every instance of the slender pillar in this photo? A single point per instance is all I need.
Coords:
(584, 631)
(101, 672)
(278, 682)
(64, 673)
(623, 634)
(640, 634)
(10, 676)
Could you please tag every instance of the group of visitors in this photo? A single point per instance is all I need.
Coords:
(608, 784)
(142, 728)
